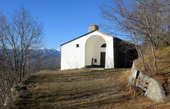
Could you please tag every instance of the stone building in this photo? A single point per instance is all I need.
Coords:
(95, 49)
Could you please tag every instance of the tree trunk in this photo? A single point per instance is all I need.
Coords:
(154, 59)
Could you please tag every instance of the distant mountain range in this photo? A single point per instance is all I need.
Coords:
(48, 59)
(49, 51)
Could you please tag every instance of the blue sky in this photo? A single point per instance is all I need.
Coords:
(63, 20)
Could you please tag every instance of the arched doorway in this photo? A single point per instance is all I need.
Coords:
(95, 50)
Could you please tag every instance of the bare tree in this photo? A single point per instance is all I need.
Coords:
(19, 35)
(141, 20)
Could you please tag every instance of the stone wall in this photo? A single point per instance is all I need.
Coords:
(152, 88)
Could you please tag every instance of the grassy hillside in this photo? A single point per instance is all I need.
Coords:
(45, 61)
(85, 88)
(163, 62)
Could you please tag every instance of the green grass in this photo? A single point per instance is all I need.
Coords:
(76, 89)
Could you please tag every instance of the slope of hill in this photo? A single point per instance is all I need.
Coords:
(46, 59)
(84, 88)
(163, 66)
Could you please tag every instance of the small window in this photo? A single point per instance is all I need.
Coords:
(77, 45)
(103, 46)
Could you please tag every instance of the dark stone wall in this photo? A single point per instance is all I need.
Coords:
(123, 56)
(131, 55)
(119, 54)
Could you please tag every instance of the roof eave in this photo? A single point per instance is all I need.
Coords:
(77, 38)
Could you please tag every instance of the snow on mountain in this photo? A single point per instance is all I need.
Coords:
(49, 51)
(48, 59)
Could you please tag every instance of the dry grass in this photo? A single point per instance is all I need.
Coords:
(76, 89)
(163, 61)
(163, 64)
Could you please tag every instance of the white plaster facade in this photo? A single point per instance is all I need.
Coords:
(73, 57)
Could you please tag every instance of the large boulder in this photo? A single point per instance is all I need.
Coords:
(153, 89)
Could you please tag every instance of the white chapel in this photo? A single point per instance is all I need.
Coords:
(93, 49)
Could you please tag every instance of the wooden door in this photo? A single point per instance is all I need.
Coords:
(102, 59)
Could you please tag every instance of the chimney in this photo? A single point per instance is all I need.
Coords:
(93, 27)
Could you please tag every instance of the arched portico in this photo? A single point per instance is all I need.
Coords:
(95, 51)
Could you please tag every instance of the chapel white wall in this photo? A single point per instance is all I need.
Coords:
(72, 57)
